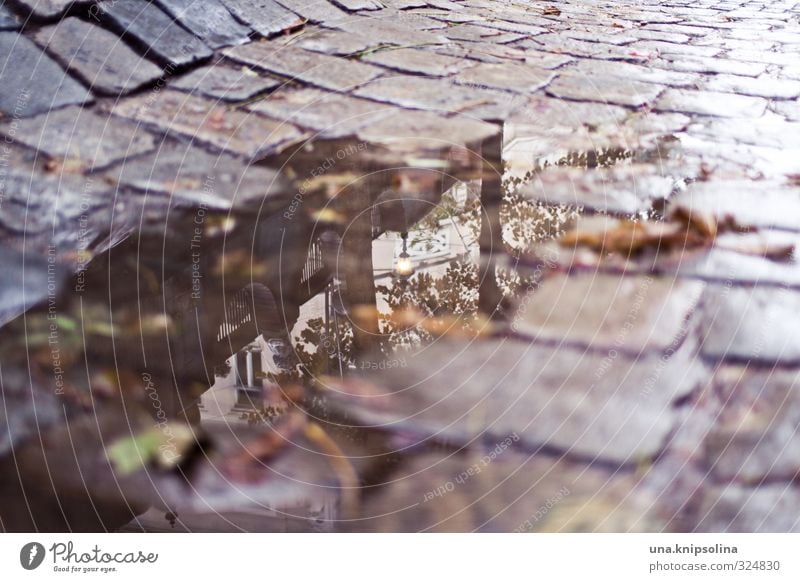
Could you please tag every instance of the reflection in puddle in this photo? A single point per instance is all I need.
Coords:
(214, 308)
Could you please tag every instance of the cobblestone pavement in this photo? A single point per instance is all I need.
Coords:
(659, 375)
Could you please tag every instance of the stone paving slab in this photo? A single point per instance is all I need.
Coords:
(206, 121)
(754, 437)
(80, 135)
(98, 57)
(611, 90)
(745, 324)
(420, 131)
(335, 42)
(633, 72)
(511, 77)
(40, 83)
(520, 493)
(621, 190)
(49, 8)
(327, 72)
(164, 40)
(574, 402)
(330, 115)
(315, 11)
(768, 508)
(422, 93)
(209, 20)
(225, 82)
(417, 61)
(607, 312)
(187, 174)
(758, 87)
(266, 17)
(711, 103)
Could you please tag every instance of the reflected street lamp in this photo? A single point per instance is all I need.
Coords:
(404, 268)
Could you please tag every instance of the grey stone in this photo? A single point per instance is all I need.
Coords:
(225, 82)
(768, 508)
(50, 8)
(636, 314)
(8, 20)
(614, 90)
(788, 109)
(101, 59)
(205, 121)
(622, 190)
(758, 87)
(190, 176)
(357, 5)
(333, 42)
(617, 410)
(750, 324)
(156, 31)
(81, 135)
(709, 65)
(769, 57)
(324, 71)
(394, 33)
(633, 72)
(40, 84)
(329, 114)
(266, 17)
(682, 49)
(209, 20)
(548, 113)
(508, 76)
(509, 491)
(421, 93)
(711, 103)
(418, 131)
(417, 61)
(314, 10)
(756, 433)
(560, 43)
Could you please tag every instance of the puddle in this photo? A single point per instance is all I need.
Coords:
(217, 300)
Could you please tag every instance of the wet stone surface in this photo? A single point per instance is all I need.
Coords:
(225, 82)
(711, 103)
(328, 114)
(208, 121)
(614, 91)
(8, 20)
(621, 190)
(615, 409)
(98, 57)
(417, 61)
(510, 77)
(48, 8)
(40, 83)
(627, 314)
(753, 439)
(751, 324)
(610, 321)
(742, 509)
(210, 20)
(317, 69)
(163, 39)
(79, 136)
(188, 174)
(266, 17)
